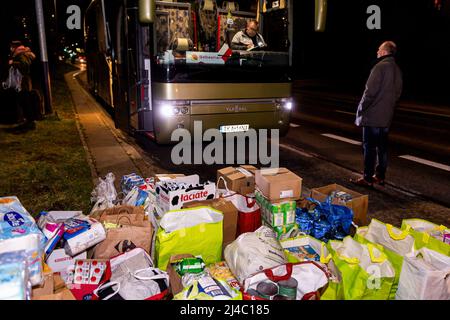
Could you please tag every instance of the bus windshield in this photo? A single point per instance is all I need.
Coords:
(222, 41)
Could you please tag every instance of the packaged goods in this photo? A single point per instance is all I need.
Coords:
(240, 179)
(276, 214)
(339, 195)
(81, 233)
(298, 281)
(254, 251)
(128, 182)
(190, 265)
(278, 184)
(198, 231)
(104, 195)
(15, 221)
(304, 253)
(14, 282)
(221, 271)
(89, 271)
(172, 194)
(209, 288)
(428, 234)
(60, 262)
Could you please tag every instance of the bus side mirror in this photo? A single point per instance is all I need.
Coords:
(321, 15)
(147, 9)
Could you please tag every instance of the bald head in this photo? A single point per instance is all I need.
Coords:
(252, 28)
(387, 48)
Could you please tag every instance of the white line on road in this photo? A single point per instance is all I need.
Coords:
(426, 162)
(350, 113)
(424, 112)
(333, 136)
(304, 154)
(293, 125)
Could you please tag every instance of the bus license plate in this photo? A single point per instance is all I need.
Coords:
(235, 128)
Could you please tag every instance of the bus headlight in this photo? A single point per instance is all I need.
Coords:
(287, 105)
(167, 110)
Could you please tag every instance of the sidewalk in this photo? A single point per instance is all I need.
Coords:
(106, 147)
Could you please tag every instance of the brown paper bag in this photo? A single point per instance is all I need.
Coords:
(135, 231)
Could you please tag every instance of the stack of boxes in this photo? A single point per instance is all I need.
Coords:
(277, 192)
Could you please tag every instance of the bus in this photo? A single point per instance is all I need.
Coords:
(163, 65)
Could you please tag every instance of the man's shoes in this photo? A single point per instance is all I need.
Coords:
(362, 182)
(378, 180)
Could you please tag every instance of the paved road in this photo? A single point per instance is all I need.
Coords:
(321, 160)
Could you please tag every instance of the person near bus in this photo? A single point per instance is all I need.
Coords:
(21, 59)
(375, 113)
(248, 38)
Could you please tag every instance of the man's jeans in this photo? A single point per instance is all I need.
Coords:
(375, 142)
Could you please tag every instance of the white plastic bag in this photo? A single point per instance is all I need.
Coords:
(425, 276)
(187, 218)
(253, 252)
(14, 80)
(104, 195)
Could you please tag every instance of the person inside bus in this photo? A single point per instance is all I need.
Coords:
(249, 38)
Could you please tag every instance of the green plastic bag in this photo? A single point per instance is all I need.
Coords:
(333, 290)
(421, 230)
(365, 272)
(197, 231)
(394, 258)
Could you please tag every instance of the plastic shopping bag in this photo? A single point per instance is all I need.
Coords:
(104, 195)
(254, 251)
(425, 276)
(299, 281)
(14, 80)
(197, 231)
(428, 234)
(364, 270)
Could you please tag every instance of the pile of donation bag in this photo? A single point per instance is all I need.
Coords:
(250, 235)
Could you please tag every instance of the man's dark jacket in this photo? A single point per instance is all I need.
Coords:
(383, 89)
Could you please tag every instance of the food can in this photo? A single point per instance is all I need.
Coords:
(288, 288)
(267, 289)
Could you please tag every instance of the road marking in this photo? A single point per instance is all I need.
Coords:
(350, 113)
(426, 162)
(424, 112)
(293, 125)
(295, 150)
(333, 136)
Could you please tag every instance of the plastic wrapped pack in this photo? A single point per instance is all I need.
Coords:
(104, 195)
(209, 288)
(14, 282)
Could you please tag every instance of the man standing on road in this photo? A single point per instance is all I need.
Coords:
(375, 113)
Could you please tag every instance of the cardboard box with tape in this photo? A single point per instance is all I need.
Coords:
(278, 184)
(240, 179)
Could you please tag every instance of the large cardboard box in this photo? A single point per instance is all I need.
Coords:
(279, 184)
(240, 179)
(359, 203)
(176, 285)
(46, 288)
(54, 288)
(230, 216)
(167, 199)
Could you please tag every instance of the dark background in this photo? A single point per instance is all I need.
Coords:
(339, 58)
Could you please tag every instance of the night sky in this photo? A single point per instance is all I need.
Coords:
(343, 54)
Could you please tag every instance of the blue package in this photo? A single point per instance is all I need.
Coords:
(304, 221)
(73, 227)
(15, 221)
(14, 283)
(322, 230)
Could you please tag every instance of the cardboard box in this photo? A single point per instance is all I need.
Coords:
(168, 200)
(59, 261)
(46, 288)
(230, 216)
(64, 294)
(167, 176)
(359, 203)
(276, 213)
(278, 184)
(240, 179)
(176, 285)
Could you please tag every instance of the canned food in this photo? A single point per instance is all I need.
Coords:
(267, 289)
(288, 288)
